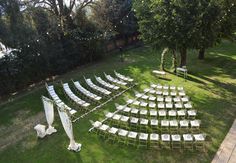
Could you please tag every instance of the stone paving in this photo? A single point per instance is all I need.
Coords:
(227, 151)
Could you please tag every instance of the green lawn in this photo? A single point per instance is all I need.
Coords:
(211, 86)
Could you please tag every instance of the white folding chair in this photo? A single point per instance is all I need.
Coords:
(127, 110)
(182, 93)
(153, 113)
(184, 126)
(188, 141)
(174, 126)
(112, 133)
(195, 125)
(152, 105)
(169, 105)
(132, 138)
(185, 99)
(192, 114)
(154, 140)
(160, 99)
(188, 105)
(122, 136)
(152, 98)
(165, 93)
(181, 114)
(145, 97)
(103, 128)
(159, 86)
(176, 141)
(143, 124)
(165, 87)
(124, 121)
(165, 140)
(165, 126)
(199, 141)
(172, 114)
(143, 113)
(172, 87)
(178, 105)
(162, 114)
(143, 139)
(161, 105)
(173, 93)
(154, 124)
(159, 92)
(134, 122)
(168, 99)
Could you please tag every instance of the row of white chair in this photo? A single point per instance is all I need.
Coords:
(154, 113)
(97, 88)
(122, 77)
(159, 105)
(167, 87)
(160, 98)
(86, 92)
(164, 92)
(154, 122)
(125, 136)
(115, 80)
(106, 84)
(57, 100)
(73, 97)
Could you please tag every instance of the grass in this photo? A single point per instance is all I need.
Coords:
(211, 86)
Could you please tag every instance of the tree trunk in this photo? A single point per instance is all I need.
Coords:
(183, 57)
(162, 66)
(174, 60)
(201, 54)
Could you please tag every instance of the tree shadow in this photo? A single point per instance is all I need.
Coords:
(189, 77)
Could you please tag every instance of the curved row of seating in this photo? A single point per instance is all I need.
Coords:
(152, 122)
(115, 80)
(73, 97)
(106, 84)
(161, 98)
(86, 92)
(164, 92)
(154, 113)
(165, 140)
(97, 88)
(57, 100)
(159, 105)
(122, 77)
(166, 87)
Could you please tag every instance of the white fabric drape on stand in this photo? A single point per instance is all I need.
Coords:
(49, 112)
(67, 125)
(40, 129)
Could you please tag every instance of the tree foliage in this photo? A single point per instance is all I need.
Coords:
(181, 24)
(115, 16)
(51, 37)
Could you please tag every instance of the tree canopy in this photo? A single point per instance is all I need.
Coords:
(182, 25)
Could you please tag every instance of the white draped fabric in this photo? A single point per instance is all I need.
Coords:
(67, 125)
(49, 112)
(40, 129)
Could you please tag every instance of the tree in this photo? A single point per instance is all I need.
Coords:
(170, 24)
(115, 17)
(227, 20)
(62, 10)
(209, 14)
(216, 21)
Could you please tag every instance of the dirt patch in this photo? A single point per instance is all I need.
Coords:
(21, 128)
